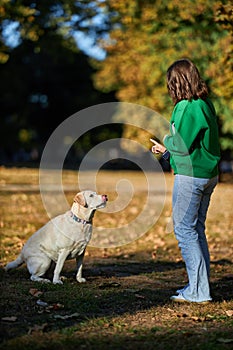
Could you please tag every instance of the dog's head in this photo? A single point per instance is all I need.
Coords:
(87, 202)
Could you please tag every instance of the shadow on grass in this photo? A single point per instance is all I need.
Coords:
(112, 290)
(158, 338)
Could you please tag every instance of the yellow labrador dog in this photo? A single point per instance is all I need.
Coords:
(64, 237)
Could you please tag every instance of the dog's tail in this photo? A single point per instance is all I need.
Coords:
(13, 264)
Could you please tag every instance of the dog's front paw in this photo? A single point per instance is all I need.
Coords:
(57, 282)
(81, 279)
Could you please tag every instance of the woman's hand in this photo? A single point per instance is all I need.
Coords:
(157, 148)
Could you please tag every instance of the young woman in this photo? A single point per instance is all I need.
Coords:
(194, 153)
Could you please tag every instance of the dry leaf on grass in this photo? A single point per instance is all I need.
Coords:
(139, 296)
(56, 306)
(198, 319)
(35, 292)
(226, 341)
(229, 313)
(65, 317)
(9, 319)
(48, 307)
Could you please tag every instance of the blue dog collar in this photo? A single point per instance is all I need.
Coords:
(75, 218)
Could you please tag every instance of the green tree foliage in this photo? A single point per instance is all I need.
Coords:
(147, 36)
(221, 74)
(44, 77)
(34, 19)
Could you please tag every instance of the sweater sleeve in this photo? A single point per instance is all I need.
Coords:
(187, 124)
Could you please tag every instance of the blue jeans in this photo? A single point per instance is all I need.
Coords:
(191, 197)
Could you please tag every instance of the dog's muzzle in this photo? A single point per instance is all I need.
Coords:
(104, 197)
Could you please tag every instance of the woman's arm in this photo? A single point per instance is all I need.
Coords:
(159, 148)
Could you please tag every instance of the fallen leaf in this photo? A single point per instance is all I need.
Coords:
(154, 255)
(65, 317)
(226, 341)
(56, 306)
(229, 313)
(9, 319)
(35, 292)
(198, 319)
(139, 296)
(168, 309)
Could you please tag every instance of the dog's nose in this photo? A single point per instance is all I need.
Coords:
(105, 197)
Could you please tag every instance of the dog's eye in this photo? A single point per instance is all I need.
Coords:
(91, 195)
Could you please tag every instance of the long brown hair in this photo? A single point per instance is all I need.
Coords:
(184, 81)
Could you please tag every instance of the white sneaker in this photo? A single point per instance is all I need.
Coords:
(180, 299)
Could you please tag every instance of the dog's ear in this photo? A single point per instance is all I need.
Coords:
(80, 199)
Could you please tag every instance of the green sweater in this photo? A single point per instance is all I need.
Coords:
(193, 143)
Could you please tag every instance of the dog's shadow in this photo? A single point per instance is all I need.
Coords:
(129, 268)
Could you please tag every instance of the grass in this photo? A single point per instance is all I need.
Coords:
(125, 302)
